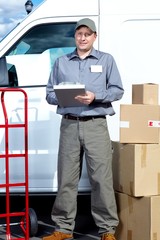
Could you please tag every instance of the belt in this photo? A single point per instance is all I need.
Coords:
(83, 119)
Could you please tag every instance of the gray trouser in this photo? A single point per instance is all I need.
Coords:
(94, 138)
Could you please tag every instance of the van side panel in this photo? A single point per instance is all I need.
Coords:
(129, 31)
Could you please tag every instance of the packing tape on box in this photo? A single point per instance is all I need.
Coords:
(131, 185)
(130, 205)
(155, 236)
(143, 155)
(129, 235)
(158, 183)
(153, 123)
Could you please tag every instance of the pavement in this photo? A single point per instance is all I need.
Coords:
(85, 228)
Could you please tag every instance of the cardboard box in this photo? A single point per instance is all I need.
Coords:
(136, 169)
(139, 123)
(145, 93)
(139, 217)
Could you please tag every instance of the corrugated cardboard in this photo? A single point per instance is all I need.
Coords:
(145, 93)
(136, 169)
(139, 217)
(139, 123)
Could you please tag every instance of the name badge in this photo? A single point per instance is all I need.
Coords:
(96, 68)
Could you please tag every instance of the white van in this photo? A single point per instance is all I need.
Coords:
(129, 30)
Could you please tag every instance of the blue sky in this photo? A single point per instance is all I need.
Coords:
(11, 13)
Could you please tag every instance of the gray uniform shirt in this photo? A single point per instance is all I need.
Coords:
(98, 72)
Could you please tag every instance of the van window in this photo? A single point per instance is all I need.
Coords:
(34, 54)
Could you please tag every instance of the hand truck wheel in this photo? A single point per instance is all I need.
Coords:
(33, 222)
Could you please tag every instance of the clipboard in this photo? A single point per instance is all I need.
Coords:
(66, 94)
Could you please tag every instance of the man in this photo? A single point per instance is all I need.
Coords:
(85, 128)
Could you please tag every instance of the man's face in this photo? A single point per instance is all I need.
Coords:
(84, 38)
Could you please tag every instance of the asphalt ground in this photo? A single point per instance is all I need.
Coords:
(85, 228)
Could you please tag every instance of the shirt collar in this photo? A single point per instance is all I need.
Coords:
(74, 54)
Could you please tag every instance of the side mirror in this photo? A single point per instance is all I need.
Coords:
(8, 74)
(4, 78)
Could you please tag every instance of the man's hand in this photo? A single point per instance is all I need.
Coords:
(86, 99)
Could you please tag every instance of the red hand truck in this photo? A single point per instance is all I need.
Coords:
(28, 223)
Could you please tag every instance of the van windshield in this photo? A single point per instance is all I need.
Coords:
(44, 37)
(34, 54)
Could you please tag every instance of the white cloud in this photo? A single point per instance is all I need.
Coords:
(11, 13)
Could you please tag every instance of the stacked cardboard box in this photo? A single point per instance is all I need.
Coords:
(145, 94)
(140, 121)
(136, 166)
(139, 217)
(136, 169)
